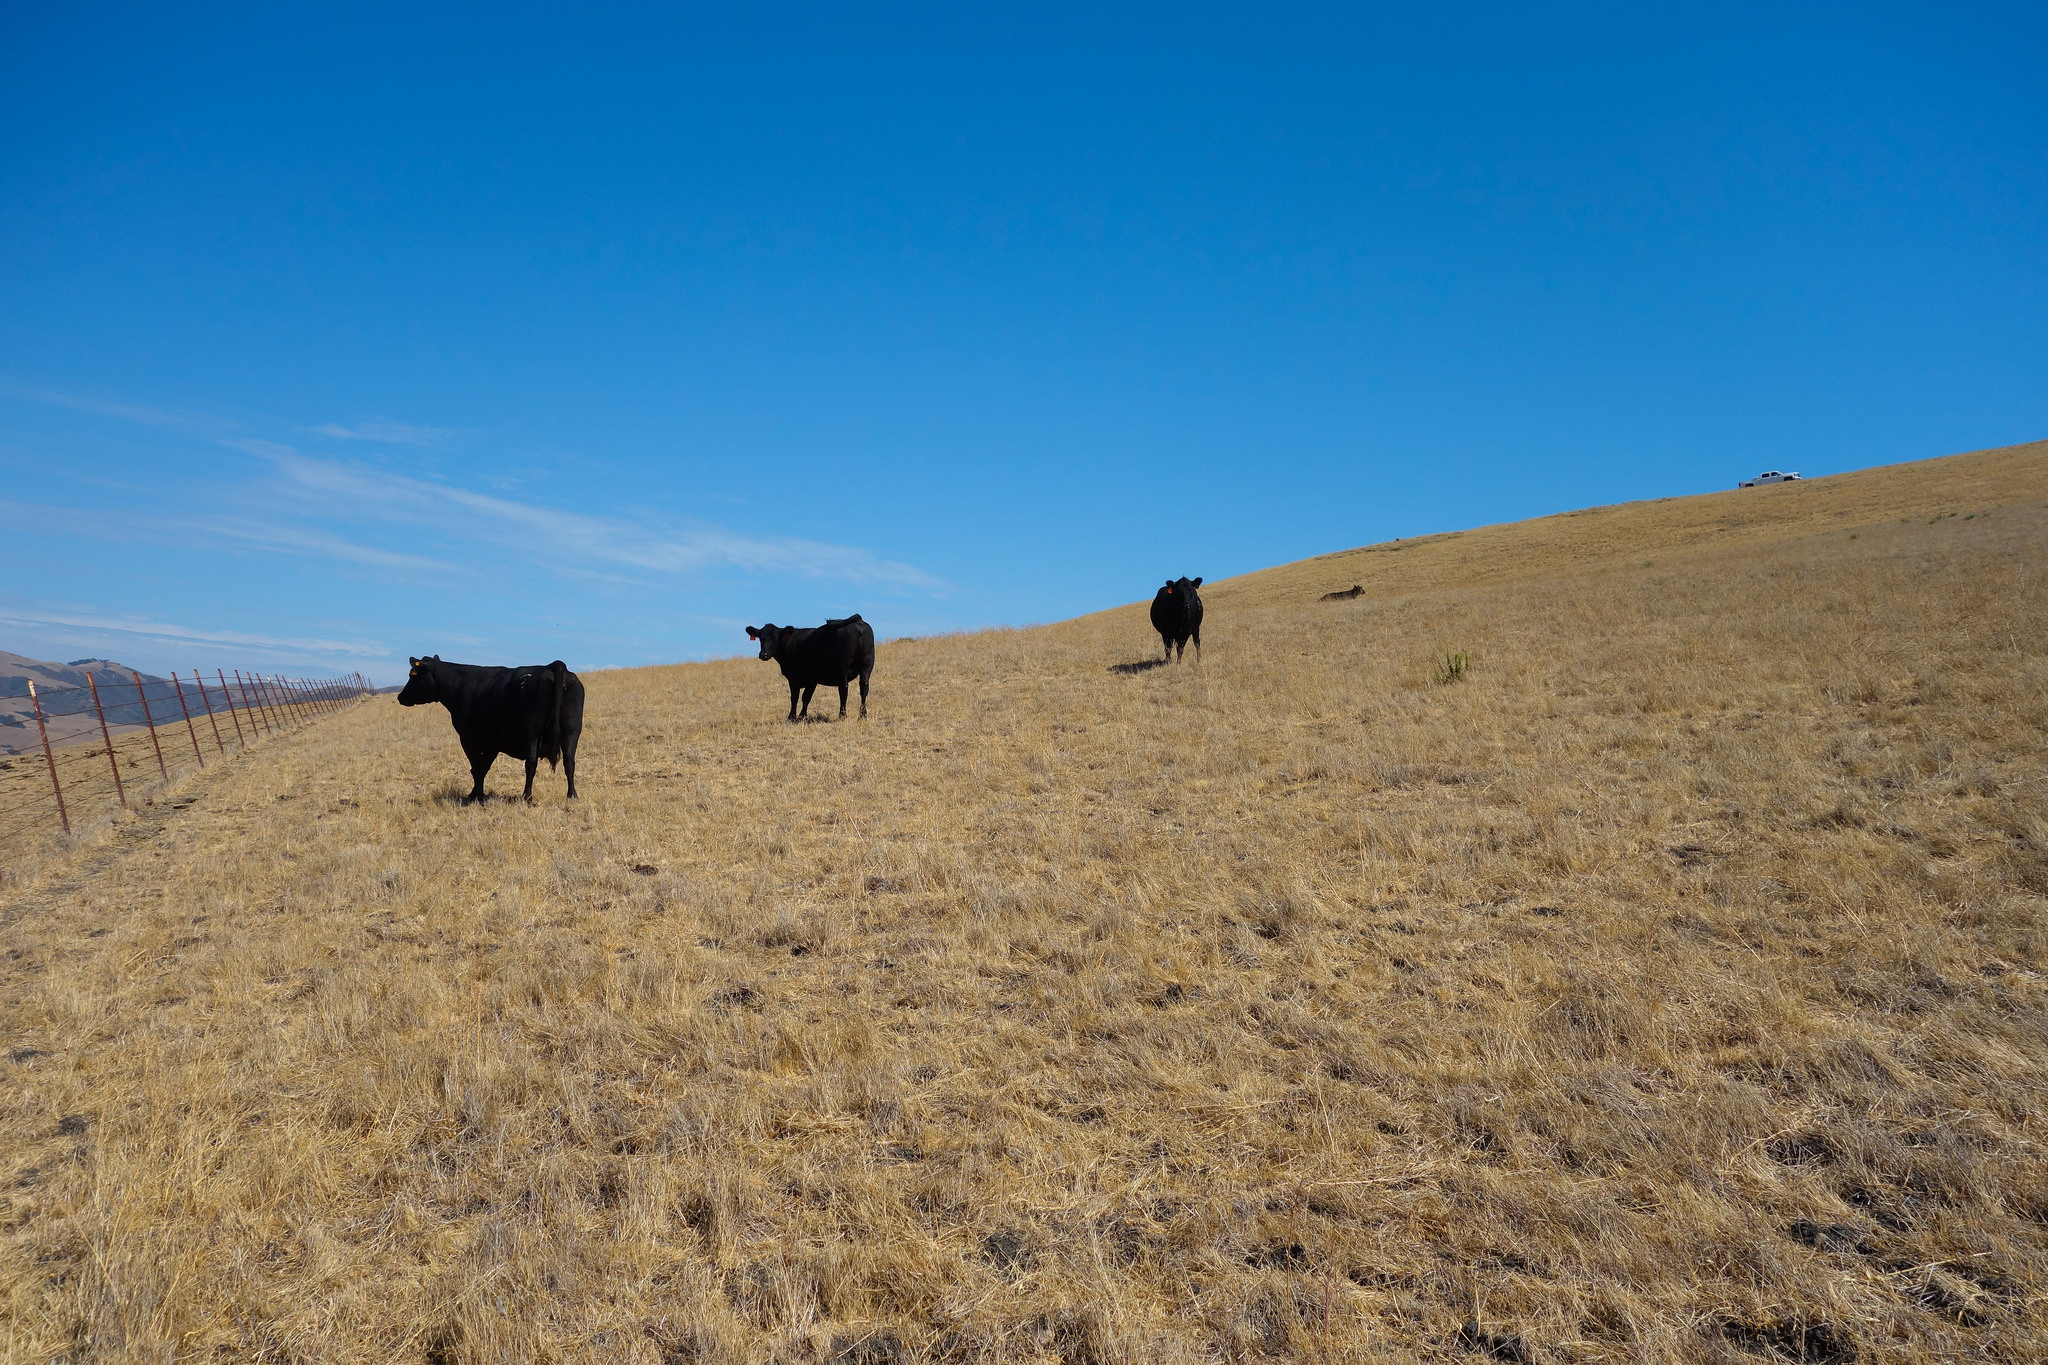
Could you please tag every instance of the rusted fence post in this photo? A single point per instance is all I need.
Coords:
(44, 730)
(200, 678)
(112, 762)
(150, 721)
(243, 687)
(252, 706)
(189, 728)
(229, 698)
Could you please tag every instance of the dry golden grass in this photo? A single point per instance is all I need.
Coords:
(1669, 989)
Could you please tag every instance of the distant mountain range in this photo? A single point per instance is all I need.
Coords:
(17, 669)
(67, 700)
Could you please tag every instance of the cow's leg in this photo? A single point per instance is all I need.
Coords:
(1198, 642)
(864, 694)
(1166, 643)
(793, 691)
(532, 766)
(810, 690)
(479, 764)
(842, 701)
(569, 761)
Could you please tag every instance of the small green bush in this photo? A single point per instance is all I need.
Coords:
(1451, 667)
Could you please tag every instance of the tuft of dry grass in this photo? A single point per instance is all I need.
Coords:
(1674, 988)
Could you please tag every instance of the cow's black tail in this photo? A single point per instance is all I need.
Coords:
(551, 726)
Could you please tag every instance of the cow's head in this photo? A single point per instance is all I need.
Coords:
(421, 687)
(769, 635)
(1180, 590)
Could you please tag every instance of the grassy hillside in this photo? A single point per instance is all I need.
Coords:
(1671, 987)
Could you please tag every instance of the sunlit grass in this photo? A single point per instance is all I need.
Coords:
(1670, 987)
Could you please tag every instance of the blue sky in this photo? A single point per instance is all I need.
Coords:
(513, 334)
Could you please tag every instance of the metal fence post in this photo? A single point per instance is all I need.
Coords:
(252, 706)
(229, 698)
(243, 688)
(50, 757)
(112, 762)
(150, 721)
(200, 678)
(189, 729)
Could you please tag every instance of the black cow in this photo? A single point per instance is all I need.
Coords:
(1177, 615)
(833, 654)
(529, 714)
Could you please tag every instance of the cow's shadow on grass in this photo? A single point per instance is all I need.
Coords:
(1143, 665)
(459, 796)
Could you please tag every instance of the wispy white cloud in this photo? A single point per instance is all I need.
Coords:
(251, 445)
(584, 539)
(182, 531)
(196, 423)
(169, 632)
(319, 544)
(575, 543)
(390, 433)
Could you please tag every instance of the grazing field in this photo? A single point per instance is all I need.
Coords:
(1669, 984)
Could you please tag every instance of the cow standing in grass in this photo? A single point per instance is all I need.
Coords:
(833, 654)
(528, 714)
(1177, 615)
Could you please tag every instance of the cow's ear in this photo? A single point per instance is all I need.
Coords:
(1196, 584)
(414, 662)
(753, 634)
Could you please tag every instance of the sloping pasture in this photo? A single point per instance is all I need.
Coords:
(1672, 986)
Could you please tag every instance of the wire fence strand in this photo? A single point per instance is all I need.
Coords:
(70, 755)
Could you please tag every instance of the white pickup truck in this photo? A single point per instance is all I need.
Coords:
(1768, 476)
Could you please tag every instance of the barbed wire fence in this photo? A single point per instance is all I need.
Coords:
(78, 752)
